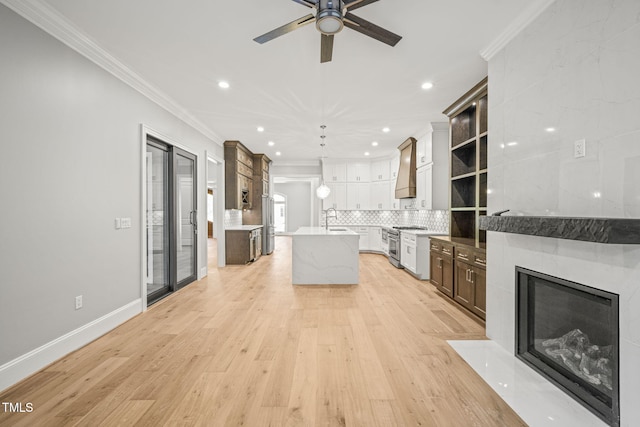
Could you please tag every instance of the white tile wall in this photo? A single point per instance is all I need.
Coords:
(575, 68)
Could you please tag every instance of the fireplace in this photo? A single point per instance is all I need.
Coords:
(569, 333)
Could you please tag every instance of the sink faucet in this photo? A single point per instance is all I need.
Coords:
(326, 217)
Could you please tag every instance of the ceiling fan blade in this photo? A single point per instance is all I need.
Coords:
(355, 4)
(308, 3)
(287, 28)
(326, 48)
(369, 29)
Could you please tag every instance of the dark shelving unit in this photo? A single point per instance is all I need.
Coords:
(468, 121)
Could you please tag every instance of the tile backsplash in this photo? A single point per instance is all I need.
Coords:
(232, 218)
(435, 220)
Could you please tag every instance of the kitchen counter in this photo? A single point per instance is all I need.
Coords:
(325, 257)
(244, 227)
(422, 232)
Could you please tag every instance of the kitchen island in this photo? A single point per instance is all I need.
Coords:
(325, 257)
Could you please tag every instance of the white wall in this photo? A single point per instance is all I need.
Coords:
(300, 203)
(70, 164)
(575, 68)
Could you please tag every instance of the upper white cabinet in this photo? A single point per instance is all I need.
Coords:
(424, 190)
(394, 166)
(358, 196)
(381, 195)
(337, 197)
(359, 172)
(380, 170)
(334, 171)
(424, 153)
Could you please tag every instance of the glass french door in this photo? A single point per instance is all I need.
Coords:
(171, 219)
(185, 212)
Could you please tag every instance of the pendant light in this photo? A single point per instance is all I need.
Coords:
(323, 191)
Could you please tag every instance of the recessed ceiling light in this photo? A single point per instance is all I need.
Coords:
(260, 129)
(550, 129)
(511, 144)
(366, 153)
(223, 84)
(427, 85)
(374, 143)
(278, 153)
(271, 143)
(386, 130)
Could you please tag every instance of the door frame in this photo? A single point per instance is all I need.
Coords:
(145, 133)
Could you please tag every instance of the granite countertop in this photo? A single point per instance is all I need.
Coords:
(244, 227)
(337, 230)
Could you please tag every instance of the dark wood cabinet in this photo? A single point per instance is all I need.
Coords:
(441, 266)
(459, 271)
(468, 133)
(470, 287)
(243, 246)
(260, 174)
(468, 141)
(238, 176)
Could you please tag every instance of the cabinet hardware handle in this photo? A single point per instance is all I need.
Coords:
(471, 276)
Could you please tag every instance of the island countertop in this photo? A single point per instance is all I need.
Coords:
(321, 231)
(325, 257)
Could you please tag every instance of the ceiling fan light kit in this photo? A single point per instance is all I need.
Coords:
(329, 19)
(331, 16)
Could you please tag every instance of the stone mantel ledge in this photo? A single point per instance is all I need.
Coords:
(598, 230)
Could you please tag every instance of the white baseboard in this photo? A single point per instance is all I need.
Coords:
(31, 362)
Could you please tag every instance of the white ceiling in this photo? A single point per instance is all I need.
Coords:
(184, 48)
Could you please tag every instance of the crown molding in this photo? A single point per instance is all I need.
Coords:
(51, 21)
(521, 22)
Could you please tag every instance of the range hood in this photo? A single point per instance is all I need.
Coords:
(406, 182)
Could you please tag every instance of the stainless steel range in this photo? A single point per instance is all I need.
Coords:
(394, 243)
(393, 237)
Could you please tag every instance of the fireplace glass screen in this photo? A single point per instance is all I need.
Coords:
(568, 332)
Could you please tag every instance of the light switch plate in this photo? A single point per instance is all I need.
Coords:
(125, 222)
(580, 148)
(118, 223)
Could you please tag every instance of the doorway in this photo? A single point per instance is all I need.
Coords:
(171, 219)
(279, 213)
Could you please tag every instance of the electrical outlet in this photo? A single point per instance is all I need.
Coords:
(580, 148)
(78, 302)
(125, 222)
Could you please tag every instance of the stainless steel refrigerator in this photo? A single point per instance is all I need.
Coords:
(268, 231)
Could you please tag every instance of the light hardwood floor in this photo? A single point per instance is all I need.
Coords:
(245, 347)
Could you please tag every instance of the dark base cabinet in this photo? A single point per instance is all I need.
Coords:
(441, 266)
(459, 272)
(242, 246)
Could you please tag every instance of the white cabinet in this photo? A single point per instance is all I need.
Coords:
(363, 232)
(408, 249)
(375, 239)
(414, 254)
(380, 170)
(358, 196)
(359, 172)
(424, 190)
(381, 195)
(394, 166)
(337, 197)
(334, 171)
(424, 150)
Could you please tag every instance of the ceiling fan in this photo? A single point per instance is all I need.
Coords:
(331, 16)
